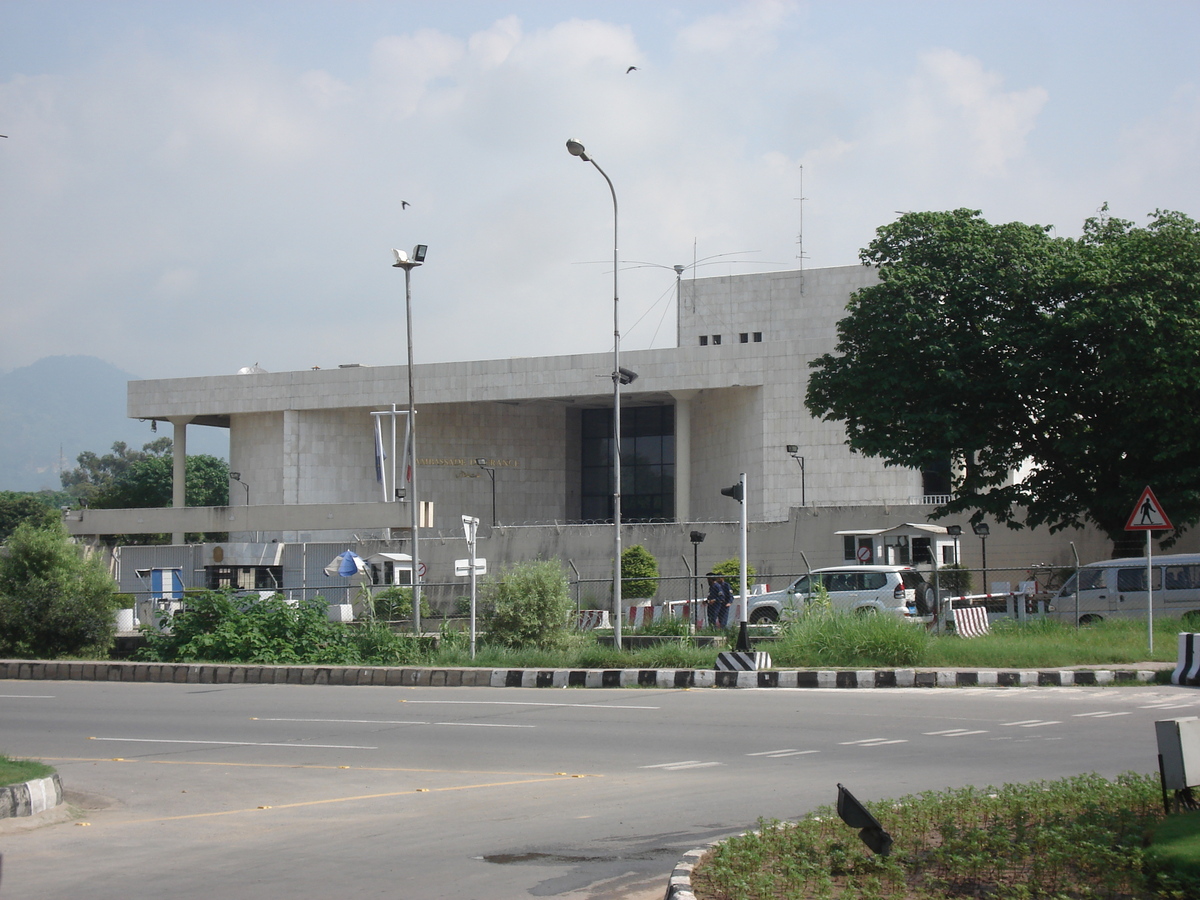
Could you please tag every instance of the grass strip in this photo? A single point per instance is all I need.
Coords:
(15, 771)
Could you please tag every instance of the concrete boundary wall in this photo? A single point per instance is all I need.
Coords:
(384, 676)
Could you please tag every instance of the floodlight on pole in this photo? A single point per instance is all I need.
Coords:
(408, 262)
(491, 470)
(619, 376)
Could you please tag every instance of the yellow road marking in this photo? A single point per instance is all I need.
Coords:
(232, 812)
(231, 765)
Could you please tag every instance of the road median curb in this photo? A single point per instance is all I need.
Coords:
(28, 798)
(418, 676)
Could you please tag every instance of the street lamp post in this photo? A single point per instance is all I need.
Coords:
(575, 148)
(982, 529)
(237, 476)
(491, 470)
(697, 538)
(794, 451)
(409, 262)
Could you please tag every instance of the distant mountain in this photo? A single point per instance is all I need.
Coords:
(58, 407)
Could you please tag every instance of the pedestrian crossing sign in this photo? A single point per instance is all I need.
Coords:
(1148, 514)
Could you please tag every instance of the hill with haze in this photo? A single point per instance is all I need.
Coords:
(60, 406)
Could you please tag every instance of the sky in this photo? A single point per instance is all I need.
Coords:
(188, 188)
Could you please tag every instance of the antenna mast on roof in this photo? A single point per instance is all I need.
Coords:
(800, 255)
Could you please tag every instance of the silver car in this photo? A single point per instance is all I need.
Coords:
(899, 590)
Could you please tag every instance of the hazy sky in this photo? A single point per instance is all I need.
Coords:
(192, 187)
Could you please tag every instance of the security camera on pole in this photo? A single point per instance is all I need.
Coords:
(743, 658)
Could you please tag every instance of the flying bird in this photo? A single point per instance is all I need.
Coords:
(404, 204)
(631, 69)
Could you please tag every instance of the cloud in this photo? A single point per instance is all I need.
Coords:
(750, 24)
(956, 107)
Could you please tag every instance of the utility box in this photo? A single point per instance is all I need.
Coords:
(1179, 749)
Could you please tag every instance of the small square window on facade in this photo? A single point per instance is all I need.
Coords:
(716, 339)
(758, 337)
(704, 340)
(744, 338)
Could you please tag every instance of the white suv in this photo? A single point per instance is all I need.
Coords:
(899, 590)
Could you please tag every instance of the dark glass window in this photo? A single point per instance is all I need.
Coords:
(716, 339)
(647, 464)
(704, 340)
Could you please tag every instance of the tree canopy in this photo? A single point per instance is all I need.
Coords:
(17, 507)
(133, 479)
(53, 601)
(1007, 349)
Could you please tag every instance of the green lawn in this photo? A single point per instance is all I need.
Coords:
(14, 771)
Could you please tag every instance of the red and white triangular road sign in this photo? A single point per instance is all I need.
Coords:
(1148, 514)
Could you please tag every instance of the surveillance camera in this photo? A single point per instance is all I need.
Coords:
(401, 256)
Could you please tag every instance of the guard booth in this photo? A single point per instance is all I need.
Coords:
(165, 594)
(911, 544)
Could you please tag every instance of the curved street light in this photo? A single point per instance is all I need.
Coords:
(575, 148)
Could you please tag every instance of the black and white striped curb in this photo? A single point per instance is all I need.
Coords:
(188, 673)
(30, 797)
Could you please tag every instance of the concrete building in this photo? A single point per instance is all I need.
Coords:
(728, 399)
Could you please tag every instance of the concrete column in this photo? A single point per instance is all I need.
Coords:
(683, 454)
(179, 468)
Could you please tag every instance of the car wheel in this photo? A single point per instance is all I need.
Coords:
(866, 611)
(1088, 620)
(765, 615)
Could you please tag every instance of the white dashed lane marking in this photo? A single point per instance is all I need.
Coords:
(1100, 715)
(684, 764)
(871, 742)
(776, 754)
(1031, 723)
(952, 732)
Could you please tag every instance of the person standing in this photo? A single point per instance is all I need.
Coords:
(720, 598)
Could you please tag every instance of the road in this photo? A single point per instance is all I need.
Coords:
(261, 791)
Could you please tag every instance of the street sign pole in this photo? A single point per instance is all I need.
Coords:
(1148, 516)
(471, 527)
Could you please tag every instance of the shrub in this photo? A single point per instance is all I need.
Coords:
(53, 601)
(954, 578)
(395, 603)
(530, 605)
(639, 573)
(216, 626)
(731, 569)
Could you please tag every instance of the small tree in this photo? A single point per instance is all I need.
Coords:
(639, 573)
(731, 571)
(53, 601)
(530, 605)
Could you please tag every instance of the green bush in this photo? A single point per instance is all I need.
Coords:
(639, 573)
(731, 569)
(395, 603)
(217, 626)
(954, 578)
(530, 606)
(53, 601)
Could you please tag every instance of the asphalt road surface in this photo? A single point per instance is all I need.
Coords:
(265, 791)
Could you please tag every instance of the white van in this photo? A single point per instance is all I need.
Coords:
(1116, 588)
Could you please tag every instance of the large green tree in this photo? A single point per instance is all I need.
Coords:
(132, 479)
(17, 507)
(54, 601)
(1007, 349)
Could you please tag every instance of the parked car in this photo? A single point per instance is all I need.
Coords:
(899, 590)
